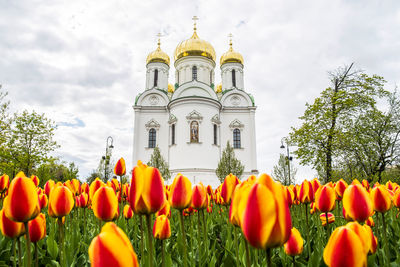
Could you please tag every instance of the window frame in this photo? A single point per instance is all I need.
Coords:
(194, 73)
(152, 141)
(173, 134)
(155, 82)
(215, 129)
(237, 142)
(233, 78)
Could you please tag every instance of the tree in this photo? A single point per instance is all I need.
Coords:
(30, 141)
(317, 139)
(102, 165)
(92, 176)
(5, 121)
(229, 164)
(57, 171)
(281, 171)
(373, 138)
(157, 161)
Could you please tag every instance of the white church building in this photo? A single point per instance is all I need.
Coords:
(192, 120)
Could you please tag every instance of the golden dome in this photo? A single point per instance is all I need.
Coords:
(171, 88)
(219, 88)
(231, 56)
(158, 56)
(194, 46)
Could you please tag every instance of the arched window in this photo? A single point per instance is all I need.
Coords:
(215, 134)
(173, 134)
(194, 73)
(233, 78)
(236, 138)
(152, 138)
(155, 77)
(194, 132)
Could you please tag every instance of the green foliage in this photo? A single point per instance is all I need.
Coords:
(29, 141)
(324, 122)
(57, 171)
(281, 171)
(157, 161)
(229, 164)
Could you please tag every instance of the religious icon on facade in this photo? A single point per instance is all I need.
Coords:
(194, 132)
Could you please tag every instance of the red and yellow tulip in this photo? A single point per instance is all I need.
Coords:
(181, 193)
(120, 168)
(325, 198)
(381, 199)
(105, 204)
(61, 201)
(199, 197)
(294, 245)
(37, 228)
(9, 228)
(331, 218)
(357, 202)
(228, 187)
(128, 213)
(161, 228)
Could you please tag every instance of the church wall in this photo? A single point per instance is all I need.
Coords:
(204, 68)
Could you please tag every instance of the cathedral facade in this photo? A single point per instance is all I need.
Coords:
(192, 120)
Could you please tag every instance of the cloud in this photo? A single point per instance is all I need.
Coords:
(83, 63)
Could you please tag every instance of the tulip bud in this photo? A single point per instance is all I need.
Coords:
(94, 186)
(35, 180)
(340, 187)
(294, 246)
(363, 234)
(370, 222)
(357, 202)
(344, 248)
(105, 204)
(43, 201)
(147, 190)
(331, 218)
(84, 189)
(165, 210)
(181, 192)
(199, 197)
(10, 228)
(120, 168)
(325, 198)
(37, 228)
(289, 196)
(228, 187)
(374, 240)
(112, 248)
(238, 203)
(4, 182)
(48, 186)
(161, 228)
(128, 213)
(306, 192)
(22, 202)
(83, 200)
(381, 199)
(61, 201)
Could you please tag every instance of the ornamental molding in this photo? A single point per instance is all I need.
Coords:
(236, 124)
(194, 115)
(172, 119)
(152, 124)
(215, 119)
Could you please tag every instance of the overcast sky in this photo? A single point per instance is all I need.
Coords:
(83, 62)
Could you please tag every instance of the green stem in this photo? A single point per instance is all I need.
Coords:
(183, 238)
(386, 241)
(236, 244)
(36, 255)
(14, 253)
(269, 264)
(19, 252)
(162, 253)
(84, 224)
(61, 232)
(199, 237)
(149, 239)
(327, 226)
(247, 253)
(28, 244)
(205, 243)
(308, 232)
(294, 261)
(141, 241)
(191, 238)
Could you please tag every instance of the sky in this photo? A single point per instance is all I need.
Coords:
(82, 63)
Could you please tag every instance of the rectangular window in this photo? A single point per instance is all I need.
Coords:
(215, 134)
(233, 78)
(152, 138)
(173, 134)
(236, 138)
(155, 78)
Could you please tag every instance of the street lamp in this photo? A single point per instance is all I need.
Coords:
(106, 158)
(289, 158)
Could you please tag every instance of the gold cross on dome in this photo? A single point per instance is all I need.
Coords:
(194, 22)
(230, 38)
(159, 39)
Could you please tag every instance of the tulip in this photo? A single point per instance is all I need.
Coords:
(43, 201)
(82, 200)
(35, 180)
(105, 204)
(199, 197)
(306, 193)
(370, 222)
(365, 184)
(315, 184)
(147, 190)
(181, 192)
(61, 201)
(4, 183)
(37, 228)
(120, 168)
(22, 202)
(161, 228)
(331, 218)
(48, 186)
(396, 199)
(94, 186)
(381, 199)
(294, 245)
(112, 248)
(357, 202)
(238, 203)
(374, 240)
(10, 228)
(84, 188)
(340, 187)
(165, 210)
(325, 198)
(289, 196)
(228, 187)
(344, 248)
(128, 213)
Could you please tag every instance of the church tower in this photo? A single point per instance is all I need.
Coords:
(231, 68)
(157, 65)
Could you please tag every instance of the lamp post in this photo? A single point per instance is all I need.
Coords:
(288, 157)
(106, 158)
